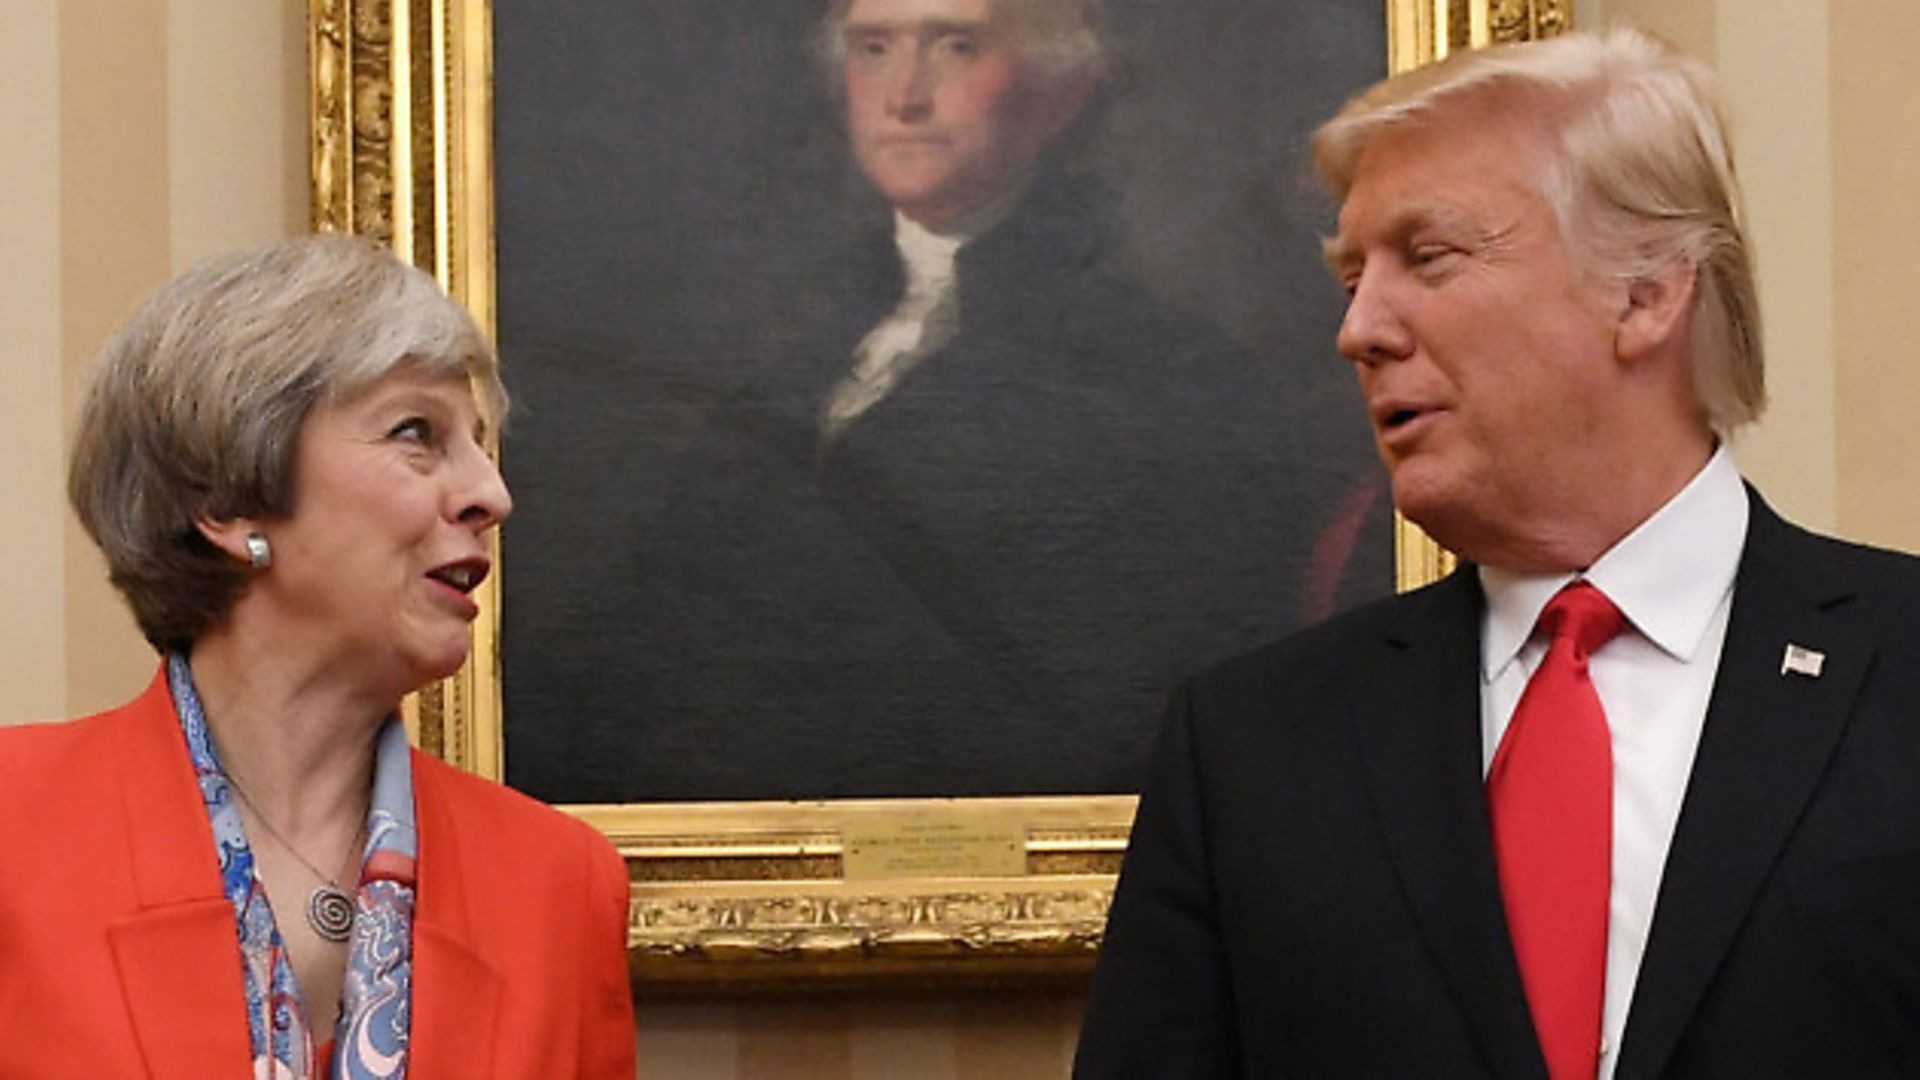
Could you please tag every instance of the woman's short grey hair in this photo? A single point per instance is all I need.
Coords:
(1062, 39)
(196, 406)
(1643, 177)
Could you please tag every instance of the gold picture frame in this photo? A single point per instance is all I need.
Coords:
(736, 895)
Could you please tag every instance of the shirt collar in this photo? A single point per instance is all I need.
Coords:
(1667, 576)
(927, 255)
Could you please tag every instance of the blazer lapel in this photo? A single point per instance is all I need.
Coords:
(1769, 733)
(456, 993)
(178, 962)
(180, 972)
(1419, 710)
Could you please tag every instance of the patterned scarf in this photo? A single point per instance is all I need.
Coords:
(374, 1019)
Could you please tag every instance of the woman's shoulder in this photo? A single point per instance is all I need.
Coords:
(59, 751)
(49, 749)
(510, 849)
(478, 805)
(52, 736)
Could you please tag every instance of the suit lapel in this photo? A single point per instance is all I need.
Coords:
(456, 993)
(178, 962)
(1767, 740)
(1419, 711)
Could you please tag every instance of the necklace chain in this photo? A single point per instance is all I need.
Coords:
(329, 907)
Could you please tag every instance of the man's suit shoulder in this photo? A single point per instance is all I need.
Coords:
(1886, 580)
(1882, 568)
(1336, 651)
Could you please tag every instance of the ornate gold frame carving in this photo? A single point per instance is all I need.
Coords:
(729, 894)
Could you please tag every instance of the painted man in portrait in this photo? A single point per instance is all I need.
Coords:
(964, 535)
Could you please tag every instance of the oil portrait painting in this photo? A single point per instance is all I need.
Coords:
(908, 394)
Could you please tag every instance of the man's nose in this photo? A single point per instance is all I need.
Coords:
(909, 87)
(1372, 331)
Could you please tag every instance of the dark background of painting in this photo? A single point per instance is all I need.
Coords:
(668, 173)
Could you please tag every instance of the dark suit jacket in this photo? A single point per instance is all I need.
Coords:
(117, 949)
(992, 581)
(1311, 891)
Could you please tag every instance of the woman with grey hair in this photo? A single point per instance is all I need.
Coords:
(246, 871)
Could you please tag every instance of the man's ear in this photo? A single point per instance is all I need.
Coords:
(228, 534)
(1658, 311)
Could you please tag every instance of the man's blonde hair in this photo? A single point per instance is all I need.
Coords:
(1643, 176)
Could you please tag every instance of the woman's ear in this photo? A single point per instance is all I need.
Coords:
(239, 537)
(1657, 312)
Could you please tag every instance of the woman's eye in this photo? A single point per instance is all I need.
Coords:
(413, 429)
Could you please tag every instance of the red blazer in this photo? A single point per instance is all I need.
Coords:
(117, 948)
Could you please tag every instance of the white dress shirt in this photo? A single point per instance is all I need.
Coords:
(1672, 577)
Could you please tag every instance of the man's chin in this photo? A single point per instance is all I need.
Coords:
(918, 202)
(931, 197)
(1427, 498)
(907, 176)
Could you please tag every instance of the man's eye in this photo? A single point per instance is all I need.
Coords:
(870, 47)
(959, 45)
(1346, 274)
(1429, 254)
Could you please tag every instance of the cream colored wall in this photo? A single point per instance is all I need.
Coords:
(237, 124)
(145, 133)
(33, 636)
(1008, 1035)
(1875, 124)
(111, 116)
(1776, 70)
(141, 135)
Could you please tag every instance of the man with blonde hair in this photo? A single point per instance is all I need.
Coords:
(1630, 794)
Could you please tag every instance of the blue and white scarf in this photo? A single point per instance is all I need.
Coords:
(374, 1019)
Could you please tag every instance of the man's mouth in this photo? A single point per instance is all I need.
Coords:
(1391, 415)
(1399, 421)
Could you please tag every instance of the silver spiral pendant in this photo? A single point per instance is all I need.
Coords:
(330, 913)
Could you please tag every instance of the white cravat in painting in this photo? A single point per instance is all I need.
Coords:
(923, 322)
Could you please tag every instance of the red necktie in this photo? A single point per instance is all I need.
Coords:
(1551, 793)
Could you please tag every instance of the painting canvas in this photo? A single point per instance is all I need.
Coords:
(786, 531)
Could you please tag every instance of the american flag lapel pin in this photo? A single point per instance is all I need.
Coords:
(1800, 660)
